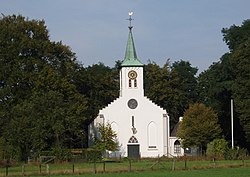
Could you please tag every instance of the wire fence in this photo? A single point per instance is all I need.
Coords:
(114, 166)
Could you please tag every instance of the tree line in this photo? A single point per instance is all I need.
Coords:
(48, 98)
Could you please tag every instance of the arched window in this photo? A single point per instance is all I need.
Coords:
(152, 135)
(133, 140)
(135, 83)
(177, 147)
(114, 127)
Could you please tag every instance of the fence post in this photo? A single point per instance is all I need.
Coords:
(173, 165)
(47, 168)
(7, 170)
(23, 169)
(243, 160)
(40, 168)
(185, 163)
(94, 166)
(214, 162)
(73, 168)
(104, 166)
(129, 165)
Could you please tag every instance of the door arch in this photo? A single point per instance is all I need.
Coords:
(133, 148)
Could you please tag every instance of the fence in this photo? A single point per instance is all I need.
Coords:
(125, 165)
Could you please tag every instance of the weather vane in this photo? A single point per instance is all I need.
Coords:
(130, 19)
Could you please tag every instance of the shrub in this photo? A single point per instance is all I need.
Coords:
(91, 154)
(236, 154)
(217, 148)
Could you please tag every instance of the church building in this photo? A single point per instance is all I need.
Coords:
(142, 127)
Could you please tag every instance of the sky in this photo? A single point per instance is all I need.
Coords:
(96, 30)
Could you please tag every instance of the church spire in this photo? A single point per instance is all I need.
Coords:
(130, 54)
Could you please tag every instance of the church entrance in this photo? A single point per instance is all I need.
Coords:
(133, 148)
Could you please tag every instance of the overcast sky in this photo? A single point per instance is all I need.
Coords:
(96, 30)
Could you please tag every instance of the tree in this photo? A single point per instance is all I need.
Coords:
(237, 38)
(172, 87)
(40, 107)
(107, 140)
(100, 86)
(236, 35)
(215, 90)
(241, 85)
(229, 79)
(187, 84)
(199, 126)
(188, 81)
(161, 87)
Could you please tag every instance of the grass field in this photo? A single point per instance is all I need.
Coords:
(215, 172)
(146, 167)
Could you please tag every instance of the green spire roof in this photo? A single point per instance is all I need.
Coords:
(130, 54)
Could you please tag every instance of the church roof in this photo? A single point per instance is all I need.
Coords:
(130, 54)
(175, 130)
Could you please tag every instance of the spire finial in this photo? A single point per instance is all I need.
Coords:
(130, 19)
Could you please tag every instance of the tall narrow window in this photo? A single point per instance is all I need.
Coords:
(135, 83)
(129, 83)
(152, 135)
(177, 147)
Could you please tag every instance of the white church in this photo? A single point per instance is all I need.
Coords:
(142, 127)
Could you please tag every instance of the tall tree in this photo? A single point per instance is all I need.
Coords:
(172, 87)
(237, 38)
(215, 90)
(199, 126)
(187, 84)
(100, 84)
(241, 85)
(39, 103)
(161, 88)
(228, 79)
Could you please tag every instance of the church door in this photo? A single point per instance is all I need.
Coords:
(133, 150)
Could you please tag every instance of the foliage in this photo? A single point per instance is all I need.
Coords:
(217, 148)
(47, 99)
(229, 79)
(91, 154)
(236, 154)
(236, 35)
(100, 84)
(172, 87)
(40, 105)
(215, 90)
(241, 85)
(107, 141)
(199, 126)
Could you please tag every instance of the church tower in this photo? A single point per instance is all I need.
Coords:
(131, 73)
(142, 126)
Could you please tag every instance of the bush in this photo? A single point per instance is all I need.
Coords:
(217, 148)
(236, 154)
(91, 154)
(7, 163)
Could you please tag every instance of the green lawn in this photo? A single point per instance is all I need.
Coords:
(217, 172)
(141, 168)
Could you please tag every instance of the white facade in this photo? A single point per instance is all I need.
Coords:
(141, 125)
(147, 122)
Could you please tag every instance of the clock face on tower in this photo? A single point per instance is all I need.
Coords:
(132, 74)
(132, 103)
